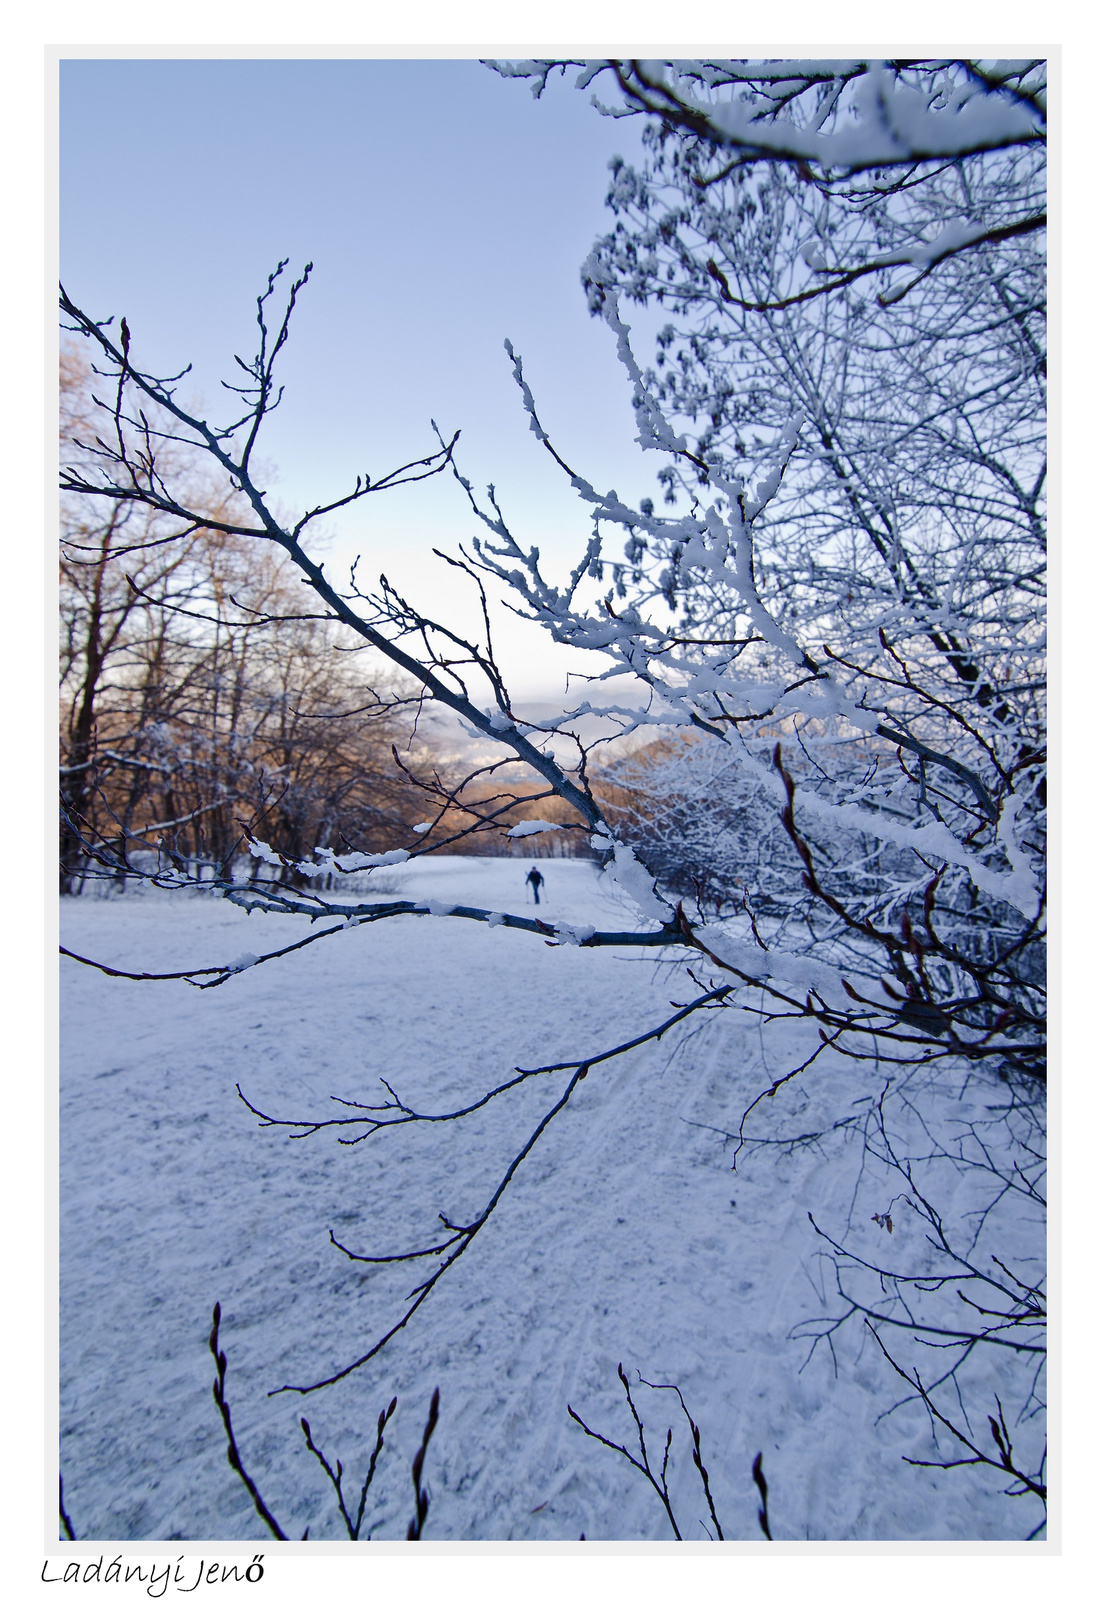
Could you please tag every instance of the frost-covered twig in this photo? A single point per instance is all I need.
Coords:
(829, 118)
(365, 915)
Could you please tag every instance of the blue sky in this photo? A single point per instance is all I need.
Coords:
(444, 210)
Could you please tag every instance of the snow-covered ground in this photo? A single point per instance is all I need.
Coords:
(626, 1236)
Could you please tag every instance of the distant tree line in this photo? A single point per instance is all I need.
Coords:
(203, 697)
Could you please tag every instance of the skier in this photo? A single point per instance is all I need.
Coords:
(536, 882)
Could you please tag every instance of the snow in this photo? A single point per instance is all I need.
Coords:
(636, 881)
(355, 861)
(626, 1235)
(895, 123)
(1018, 888)
(263, 851)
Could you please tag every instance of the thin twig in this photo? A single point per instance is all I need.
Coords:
(219, 1391)
(422, 1496)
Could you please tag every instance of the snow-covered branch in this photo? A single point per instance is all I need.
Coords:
(833, 116)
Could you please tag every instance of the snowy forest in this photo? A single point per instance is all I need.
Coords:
(626, 1123)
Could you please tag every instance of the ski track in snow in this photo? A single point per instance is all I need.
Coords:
(625, 1237)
